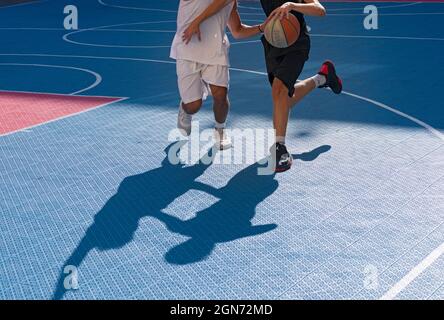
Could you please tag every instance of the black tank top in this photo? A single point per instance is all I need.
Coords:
(303, 42)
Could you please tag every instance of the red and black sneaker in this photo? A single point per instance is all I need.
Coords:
(333, 81)
(281, 157)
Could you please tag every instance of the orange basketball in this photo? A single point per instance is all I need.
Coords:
(282, 33)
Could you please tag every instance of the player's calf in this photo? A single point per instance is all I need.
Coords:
(221, 107)
(185, 115)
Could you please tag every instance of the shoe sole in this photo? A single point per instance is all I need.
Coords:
(279, 170)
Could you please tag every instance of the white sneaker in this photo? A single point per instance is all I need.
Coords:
(221, 140)
(184, 121)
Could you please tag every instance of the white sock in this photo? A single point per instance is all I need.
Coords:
(319, 79)
(280, 139)
(219, 125)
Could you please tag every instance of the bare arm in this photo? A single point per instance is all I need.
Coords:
(194, 27)
(240, 30)
(310, 8)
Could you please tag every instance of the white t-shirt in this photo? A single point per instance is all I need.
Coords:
(214, 44)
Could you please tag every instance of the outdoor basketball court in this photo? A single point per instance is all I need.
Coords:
(85, 180)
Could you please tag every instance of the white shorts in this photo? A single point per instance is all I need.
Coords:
(195, 78)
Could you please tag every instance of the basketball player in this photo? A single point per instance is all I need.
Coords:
(284, 67)
(202, 60)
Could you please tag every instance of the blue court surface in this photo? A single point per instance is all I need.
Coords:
(359, 216)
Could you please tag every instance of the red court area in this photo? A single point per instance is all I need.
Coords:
(20, 110)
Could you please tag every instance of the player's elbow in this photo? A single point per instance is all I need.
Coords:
(321, 11)
(236, 33)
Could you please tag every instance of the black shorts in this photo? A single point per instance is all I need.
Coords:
(286, 68)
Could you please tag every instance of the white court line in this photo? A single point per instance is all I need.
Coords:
(350, 36)
(414, 273)
(22, 4)
(58, 94)
(426, 126)
(134, 8)
(242, 13)
(89, 29)
(152, 9)
(350, 9)
(105, 28)
(262, 14)
(386, 14)
(417, 270)
(374, 37)
(102, 28)
(95, 74)
(61, 118)
(66, 36)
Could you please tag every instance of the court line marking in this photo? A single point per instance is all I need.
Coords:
(23, 4)
(350, 9)
(95, 84)
(426, 126)
(410, 118)
(87, 29)
(413, 247)
(386, 14)
(105, 28)
(134, 8)
(369, 231)
(365, 14)
(417, 270)
(354, 37)
(374, 37)
(145, 9)
(60, 118)
(414, 273)
(437, 252)
(59, 94)
(95, 74)
(66, 36)
(242, 13)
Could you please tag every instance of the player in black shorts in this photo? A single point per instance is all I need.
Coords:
(284, 67)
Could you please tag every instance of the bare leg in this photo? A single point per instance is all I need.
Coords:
(221, 104)
(192, 107)
(281, 107)
(283, 103)
(302, 88)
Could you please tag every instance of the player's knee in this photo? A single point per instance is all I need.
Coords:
(220, 96)
(192, 107)
(279, 88)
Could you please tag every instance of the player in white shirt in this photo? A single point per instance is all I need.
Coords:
(202, 60)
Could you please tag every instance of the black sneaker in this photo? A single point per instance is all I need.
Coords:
(333, 81)
(283, 159)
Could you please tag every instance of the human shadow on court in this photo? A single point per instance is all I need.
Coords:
(138, 196)
(229, 218)
(313, 154)
(147, 194)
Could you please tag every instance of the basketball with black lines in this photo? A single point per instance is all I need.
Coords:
(282, 33)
